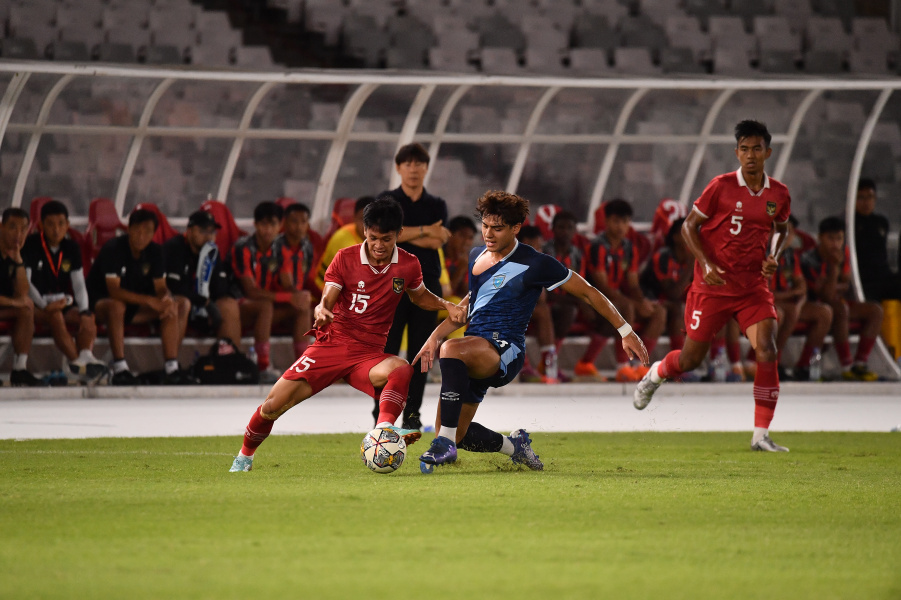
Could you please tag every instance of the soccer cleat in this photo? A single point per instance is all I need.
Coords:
(765, 444)
(441, 452)
(412, 421)
(522, 451)
(645, 389)
(626, 373)
(242, 464)
(411, 436)
(859, 373)
(23, 378)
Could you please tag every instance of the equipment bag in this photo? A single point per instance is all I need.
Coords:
(225, 364)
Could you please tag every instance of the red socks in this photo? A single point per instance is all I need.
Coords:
(766, 393)
(864, 347)
(393, 396)
(596, 343)
(262, 349)
(843, 349)
(669, 366)
(257, 430)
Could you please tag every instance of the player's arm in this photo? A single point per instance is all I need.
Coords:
(426, 300)
(322, 314)
(581, 289)
(117, 292)
(429, 351)
(20, 286)
(710, 271)
(777, 247)
(425, 236)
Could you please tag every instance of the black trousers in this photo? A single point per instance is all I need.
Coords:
(420, 323)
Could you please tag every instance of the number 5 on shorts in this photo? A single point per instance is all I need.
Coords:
(696, 319)
(305, 361)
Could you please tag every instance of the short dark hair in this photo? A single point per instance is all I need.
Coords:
(527, 232)
(296, 207)
(384, 214)
(750, 128)
(563, 215)
(13, 212)
(410, 152)
(268, 210)
(461, 222)
(142, 215)
(670, 240)
(865, 183)
(512, 209)
(832, 225)
(54, 207)
(362, 202)
(618, 208)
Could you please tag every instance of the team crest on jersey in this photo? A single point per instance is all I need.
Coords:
(771, 208)
(271, 265)
(361, 286)
(498, 281)
(145, 268)
(398, 285)
(65, 266)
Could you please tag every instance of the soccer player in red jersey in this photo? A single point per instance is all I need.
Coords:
(363, 286)
(727, 231)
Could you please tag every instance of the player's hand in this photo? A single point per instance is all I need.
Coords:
(712, 274)
(427, 354)
(634, 348)
(436, 230)
(322, 316)
(769, 266)
(56, 305)
(456, 313)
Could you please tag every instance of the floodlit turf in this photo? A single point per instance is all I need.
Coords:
(642, 515)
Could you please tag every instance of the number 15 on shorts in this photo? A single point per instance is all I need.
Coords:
(695, 319)
(305, 362)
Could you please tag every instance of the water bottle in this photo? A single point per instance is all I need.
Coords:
(550, 364)
(816, 365)
(719, 366)
(252, 354)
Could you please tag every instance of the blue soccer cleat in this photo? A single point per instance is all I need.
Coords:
(522, 451)
(241, 464)
(441, 452)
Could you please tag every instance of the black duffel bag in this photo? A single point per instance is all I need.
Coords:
(225, 364)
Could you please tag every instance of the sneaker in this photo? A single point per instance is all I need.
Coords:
(765, 444)
(441, 452)
(736, 374)
(241, 464)
(528, 374)
(179, 377)
(269, 375)
(55, 379)
(785, 374)
(626, 373)
(586, 369)
(124, 378)
(645, 389)
(859, 373)
(522, 451)
(411, 436)
(412, 421)
(88, 372)
(23, 378)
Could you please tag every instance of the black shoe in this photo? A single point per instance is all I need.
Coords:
(179, 377)
(785, 374)
(412, 421)
(124, 378)
(22, 378)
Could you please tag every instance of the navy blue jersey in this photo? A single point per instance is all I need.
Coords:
(502, 298)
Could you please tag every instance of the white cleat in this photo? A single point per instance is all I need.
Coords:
(765, 444)
(645, 389)
(242, 464)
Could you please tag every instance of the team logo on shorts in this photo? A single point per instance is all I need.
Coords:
(398, 285)
(771, 208)
(498, 281)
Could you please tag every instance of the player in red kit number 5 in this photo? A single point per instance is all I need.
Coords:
(727, 231)
(363, 285)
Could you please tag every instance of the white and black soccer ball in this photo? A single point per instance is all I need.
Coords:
(383, 450)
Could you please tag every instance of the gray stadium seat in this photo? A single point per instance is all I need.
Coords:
(450, 59)
(823, 62)
(634, 61)
(592, 31)
(827, 33)
(164, 55)
(16, 48)
(404, 58)
(497, 32)
(71, 51)
(589, 61)
(679, 60)
(774, 33)
(684, 31)
(499, 61)
(867, 61)
(731, 61)
(116, 53)
(778, 61)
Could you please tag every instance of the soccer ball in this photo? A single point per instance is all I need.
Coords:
(383, 450)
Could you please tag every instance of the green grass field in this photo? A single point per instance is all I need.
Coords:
(642, 515)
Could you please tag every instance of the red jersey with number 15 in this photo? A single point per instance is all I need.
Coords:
(737, 230)
(369, 295)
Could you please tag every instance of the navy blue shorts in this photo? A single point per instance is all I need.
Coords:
(512, 359)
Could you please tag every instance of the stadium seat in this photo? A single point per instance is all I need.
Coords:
(70, 51)
(680, 60)
(116, 53)
(103, 225)
(229, 232)
(544, 218)
(778, 61)
(823, 62)
(775, 33)
(34, 212)
(499, 61)
(163, 55)
(19, 48)
(589, 61)
(827, 33)
(342, 214)
(684, 31)
(634, 61)
(668, 212)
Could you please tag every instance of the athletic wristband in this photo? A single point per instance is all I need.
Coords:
(625, 330)
(283, 296)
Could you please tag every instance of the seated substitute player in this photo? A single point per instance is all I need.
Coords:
(59, 293)
(15, 305)
(667, 277)
(827, 269)
(456, 254)
(506, 278)
(541, 322)
(195, 271)
(727, 231)
(127, 284)
(363, 286)
(613, 269)
(297, 255)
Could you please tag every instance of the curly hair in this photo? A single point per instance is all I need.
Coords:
(512, 209)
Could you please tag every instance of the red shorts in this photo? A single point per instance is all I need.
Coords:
(706, 314)
(325, 363)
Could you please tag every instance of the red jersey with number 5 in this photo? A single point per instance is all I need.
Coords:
(737, 230)
(369, 295)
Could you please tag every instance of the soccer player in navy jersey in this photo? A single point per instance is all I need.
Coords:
(506, 279)
(363, 286)
(727, 231)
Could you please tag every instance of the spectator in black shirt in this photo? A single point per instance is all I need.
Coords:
(57, 288)
(195, 271)
(15, 305)
(870, 238)
(423, 234)
(126, 285)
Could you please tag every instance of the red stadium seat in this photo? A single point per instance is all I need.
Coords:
(103, 225)
(34, 212)
(544, 219)
(164, 230)
(229, 232)
(285, 202)
(342, 214)
(667, 213)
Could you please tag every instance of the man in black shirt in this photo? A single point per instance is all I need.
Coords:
(57, 288)
(15, 305)
(195, 271)
(423, 234)
(126, 285)
(870, 238)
